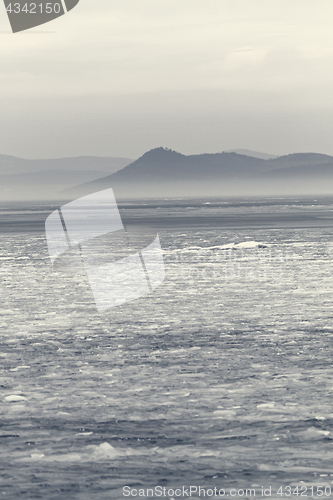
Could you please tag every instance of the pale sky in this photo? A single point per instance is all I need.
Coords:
(119, 77)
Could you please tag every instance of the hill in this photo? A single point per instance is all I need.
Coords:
(162, 172)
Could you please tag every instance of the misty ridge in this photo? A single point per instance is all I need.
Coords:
(162, 172)
(22, 179)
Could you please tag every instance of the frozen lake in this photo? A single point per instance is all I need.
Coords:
(222, 377)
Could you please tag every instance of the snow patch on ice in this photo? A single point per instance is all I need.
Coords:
(14, 397)
(227, 246)
(104, 450)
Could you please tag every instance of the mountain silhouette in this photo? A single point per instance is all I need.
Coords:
(163, 172)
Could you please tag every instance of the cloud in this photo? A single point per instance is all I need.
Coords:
(276, 55)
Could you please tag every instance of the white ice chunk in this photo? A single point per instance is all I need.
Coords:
(13, 398)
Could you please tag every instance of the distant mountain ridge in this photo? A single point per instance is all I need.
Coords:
(30, 179)
(255, 154)
(10, 165)
(165, 172)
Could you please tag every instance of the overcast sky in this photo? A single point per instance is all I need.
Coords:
(119, 77)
